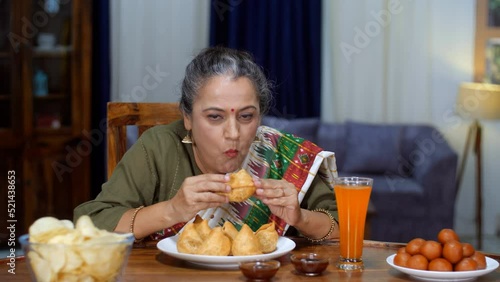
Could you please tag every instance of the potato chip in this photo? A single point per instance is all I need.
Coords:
(102, 261)
(45, 228)
(71, 277)
(66, 239)
(73, 261)
(86, 227)
(41, 268)
(54, 255)
(68, 223)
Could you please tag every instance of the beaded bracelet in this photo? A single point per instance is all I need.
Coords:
(132, 221)
(332, 226)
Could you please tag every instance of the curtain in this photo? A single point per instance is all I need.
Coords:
(100, 91)
(152, 42)
(285, 38)
(395, 61)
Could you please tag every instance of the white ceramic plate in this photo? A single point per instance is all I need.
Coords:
(455, 276)
(169, 246)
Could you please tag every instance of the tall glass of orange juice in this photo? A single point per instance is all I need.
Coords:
(353, 195)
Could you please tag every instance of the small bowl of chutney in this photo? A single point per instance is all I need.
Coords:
(310, 264)
(260, 270)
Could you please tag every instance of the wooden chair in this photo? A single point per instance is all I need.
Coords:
(142, 115)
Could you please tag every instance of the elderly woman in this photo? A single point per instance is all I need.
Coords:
(176, 171)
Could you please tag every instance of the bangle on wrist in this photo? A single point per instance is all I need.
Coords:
(132, 221)
(332, 226)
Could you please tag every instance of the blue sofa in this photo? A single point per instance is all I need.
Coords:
(413, 167)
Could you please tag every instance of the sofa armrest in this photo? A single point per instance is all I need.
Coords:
(433, 165)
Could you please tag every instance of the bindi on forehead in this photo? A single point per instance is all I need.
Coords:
(232, 110)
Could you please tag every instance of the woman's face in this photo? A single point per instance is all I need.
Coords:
(223, 123)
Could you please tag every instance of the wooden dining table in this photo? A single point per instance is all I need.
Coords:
(148, 263)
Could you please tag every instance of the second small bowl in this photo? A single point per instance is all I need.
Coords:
(260, 269)
(309, 264)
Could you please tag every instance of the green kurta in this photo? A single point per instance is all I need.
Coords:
(153, 169)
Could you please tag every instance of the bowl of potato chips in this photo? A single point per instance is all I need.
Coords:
(57, 250)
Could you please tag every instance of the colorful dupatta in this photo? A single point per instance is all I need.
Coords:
(276, 155)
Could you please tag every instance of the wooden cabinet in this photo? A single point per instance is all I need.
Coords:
(45, 95)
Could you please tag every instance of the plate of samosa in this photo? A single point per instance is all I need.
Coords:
(225, 246)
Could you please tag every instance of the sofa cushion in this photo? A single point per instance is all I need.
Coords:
(394, 194)
(419, 142)
(372, 148)
(331, 137)
(304, 127)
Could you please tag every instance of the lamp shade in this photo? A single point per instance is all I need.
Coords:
(479, 100)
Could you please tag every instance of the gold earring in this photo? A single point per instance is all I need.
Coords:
(187, 139)
(256, 139)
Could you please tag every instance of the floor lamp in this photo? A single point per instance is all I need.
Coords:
(477, 101)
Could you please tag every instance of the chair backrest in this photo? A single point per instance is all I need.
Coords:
(143, 115)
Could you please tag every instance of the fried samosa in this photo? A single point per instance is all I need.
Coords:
(229, 229)
(201, 225)
(242, 186)
(268, 237)
(189, 240)
(246, 243)
(216, 244)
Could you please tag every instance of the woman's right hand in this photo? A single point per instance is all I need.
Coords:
(198, 193)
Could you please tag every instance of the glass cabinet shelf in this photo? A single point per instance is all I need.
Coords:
(51, 96)
(64, 130)
(56, 51)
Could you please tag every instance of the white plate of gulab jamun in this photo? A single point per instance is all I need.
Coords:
(429, 275)
(444, 259)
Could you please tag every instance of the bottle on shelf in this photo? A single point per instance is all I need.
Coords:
(40, 83)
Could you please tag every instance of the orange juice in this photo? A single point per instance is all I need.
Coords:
(352, 204)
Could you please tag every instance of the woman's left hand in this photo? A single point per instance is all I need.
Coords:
(281, 198)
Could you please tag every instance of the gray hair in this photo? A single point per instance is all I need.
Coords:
(221, 61)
